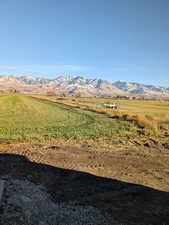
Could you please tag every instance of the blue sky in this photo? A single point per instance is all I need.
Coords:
(109, 39)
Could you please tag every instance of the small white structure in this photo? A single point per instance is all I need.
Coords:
(112, 106)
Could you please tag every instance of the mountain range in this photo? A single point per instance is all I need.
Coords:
(77, 85)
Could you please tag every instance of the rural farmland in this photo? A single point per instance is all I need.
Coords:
(84, 112)
(95, 154)
(24, 118)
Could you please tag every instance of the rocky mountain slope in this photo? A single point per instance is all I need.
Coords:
(77, 85)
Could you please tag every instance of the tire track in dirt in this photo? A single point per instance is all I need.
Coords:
(145, 168)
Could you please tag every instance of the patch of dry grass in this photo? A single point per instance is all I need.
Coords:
(142, 120)
(150, 131)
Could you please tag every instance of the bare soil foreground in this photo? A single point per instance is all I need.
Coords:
(70, 162)
(130, 184)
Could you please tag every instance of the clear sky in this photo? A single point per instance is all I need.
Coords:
(109, 39)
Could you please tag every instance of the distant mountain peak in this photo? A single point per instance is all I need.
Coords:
(73, 84)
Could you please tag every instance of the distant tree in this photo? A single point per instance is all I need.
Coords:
(63, 94)
(13, 90)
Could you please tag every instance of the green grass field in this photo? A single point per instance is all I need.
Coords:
(157, 109)
(24, 118)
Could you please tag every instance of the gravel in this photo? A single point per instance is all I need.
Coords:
(26, 203)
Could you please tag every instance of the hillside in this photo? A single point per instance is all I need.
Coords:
(77, 85)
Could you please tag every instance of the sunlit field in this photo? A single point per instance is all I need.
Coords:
(157, 109)
(23, 118)
(148, 121)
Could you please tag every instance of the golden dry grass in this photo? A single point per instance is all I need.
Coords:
(144, 113)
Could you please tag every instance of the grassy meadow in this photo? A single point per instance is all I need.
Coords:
(24, 118)
(27, 118)
(149, 120)
(156, 109)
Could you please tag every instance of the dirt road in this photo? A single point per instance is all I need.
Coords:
(132, 185)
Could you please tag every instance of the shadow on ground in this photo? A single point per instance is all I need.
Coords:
(128, 203)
